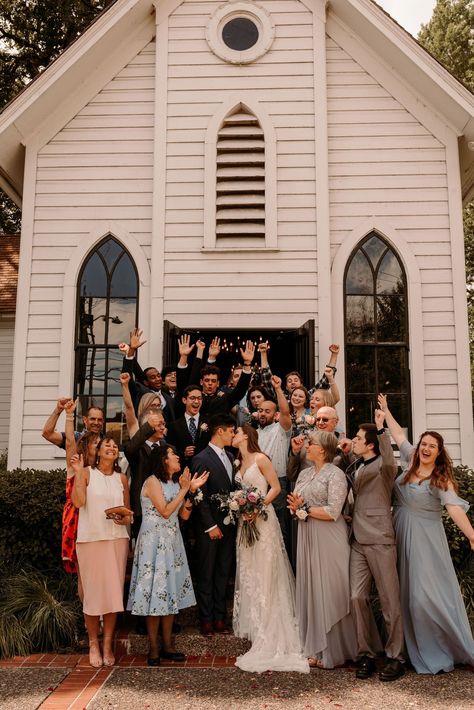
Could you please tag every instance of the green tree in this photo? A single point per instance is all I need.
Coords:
(32, 34)
(449, 37)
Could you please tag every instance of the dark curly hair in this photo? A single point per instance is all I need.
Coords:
(157, 462)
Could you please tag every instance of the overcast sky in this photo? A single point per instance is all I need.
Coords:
(409, 13)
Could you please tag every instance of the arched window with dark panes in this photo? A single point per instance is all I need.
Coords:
(107, 309)
(376, 333)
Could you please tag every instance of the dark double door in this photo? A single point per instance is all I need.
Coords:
(290, 349)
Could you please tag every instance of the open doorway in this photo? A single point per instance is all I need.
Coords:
(290, 349)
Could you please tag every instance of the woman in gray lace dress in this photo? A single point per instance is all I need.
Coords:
(322, 566)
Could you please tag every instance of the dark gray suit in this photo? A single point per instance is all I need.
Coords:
(373, 552)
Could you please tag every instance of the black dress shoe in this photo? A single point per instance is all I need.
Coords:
(392, 670)
(172, 655)
(365, 667)
(153, 661)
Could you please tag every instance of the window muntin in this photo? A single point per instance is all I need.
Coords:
(376, 332)
(107, 309)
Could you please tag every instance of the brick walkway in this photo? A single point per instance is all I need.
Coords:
(82, 682)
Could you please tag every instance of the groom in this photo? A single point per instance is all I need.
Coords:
(215, 542)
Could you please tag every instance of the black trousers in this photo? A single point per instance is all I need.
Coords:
(216, 560)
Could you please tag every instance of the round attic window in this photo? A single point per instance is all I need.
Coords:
(240, 32)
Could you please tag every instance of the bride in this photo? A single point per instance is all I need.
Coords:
(264, 601)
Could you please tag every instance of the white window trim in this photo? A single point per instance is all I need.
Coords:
(229, 11)
(210, 169)
(68, 323)
(415, 313)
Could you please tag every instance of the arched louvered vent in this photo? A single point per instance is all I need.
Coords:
(240, 199)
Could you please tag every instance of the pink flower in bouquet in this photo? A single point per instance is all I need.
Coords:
(241, 501)
(310, 420)
(252, 497)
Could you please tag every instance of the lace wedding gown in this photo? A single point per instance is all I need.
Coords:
(264, 601)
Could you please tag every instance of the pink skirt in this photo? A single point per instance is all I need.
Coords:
(102, 567)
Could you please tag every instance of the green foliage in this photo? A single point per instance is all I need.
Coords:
(32, 34)
(37, 613)
(458, 544)
(449, 37)
(31, 504)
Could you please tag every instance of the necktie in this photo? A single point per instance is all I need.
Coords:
(192, 429)
(155, 445)
(227, 465)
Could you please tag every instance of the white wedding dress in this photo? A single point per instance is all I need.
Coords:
(264, 600)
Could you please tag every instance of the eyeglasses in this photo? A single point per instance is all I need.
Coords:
(195, 399)
(322, 419)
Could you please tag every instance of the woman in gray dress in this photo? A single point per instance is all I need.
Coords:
(322, 566)
(435, 623)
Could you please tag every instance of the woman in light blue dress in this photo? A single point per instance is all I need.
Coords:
(435, 623)
(161, 584)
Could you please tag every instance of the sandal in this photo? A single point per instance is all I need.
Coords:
(316, 663)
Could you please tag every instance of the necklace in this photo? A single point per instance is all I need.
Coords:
(420, 477)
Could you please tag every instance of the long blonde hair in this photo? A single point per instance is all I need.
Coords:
(145, 403)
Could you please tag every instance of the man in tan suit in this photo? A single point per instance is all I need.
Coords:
(373, 551)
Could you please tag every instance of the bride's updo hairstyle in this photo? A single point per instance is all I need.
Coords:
(327, 441)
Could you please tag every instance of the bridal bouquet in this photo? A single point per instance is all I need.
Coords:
(242, 503)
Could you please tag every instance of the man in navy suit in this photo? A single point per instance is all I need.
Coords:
(215, 542)
(189, 434)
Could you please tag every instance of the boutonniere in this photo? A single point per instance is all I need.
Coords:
(203, 427)
(198, 496)
(236, 464)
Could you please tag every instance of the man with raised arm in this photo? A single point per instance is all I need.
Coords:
(214, 400)
(373, 551)
(274, 433)
(293, 379)
(93, 420)
(144, 381)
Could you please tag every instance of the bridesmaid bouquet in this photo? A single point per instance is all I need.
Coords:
(246, 503)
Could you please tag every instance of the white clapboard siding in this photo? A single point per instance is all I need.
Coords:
(282, 81)
(384, 162)
(98, 167)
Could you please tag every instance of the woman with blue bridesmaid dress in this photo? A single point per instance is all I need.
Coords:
(435, 623)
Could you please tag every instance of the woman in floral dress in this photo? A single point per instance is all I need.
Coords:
(161, 584)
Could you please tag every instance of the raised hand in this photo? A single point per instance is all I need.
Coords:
(184, 345)
(215, 348)
(263, 347)
(124, 348)
(382, 402)
(61, 403)
(333, 348)
(200, 347)
(136, 338)
(276, 382)
(297, 444)
(70, 406)
(198, 481)
(124, 378)
(379, 418)
(248, 353)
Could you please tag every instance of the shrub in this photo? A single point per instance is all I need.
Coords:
(31, 504)
(37, 613)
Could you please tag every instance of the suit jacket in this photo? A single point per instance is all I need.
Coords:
(138, 389)
(372, 488)
(137, 453)
(207, 511)
(178, 435)
(220, 403)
